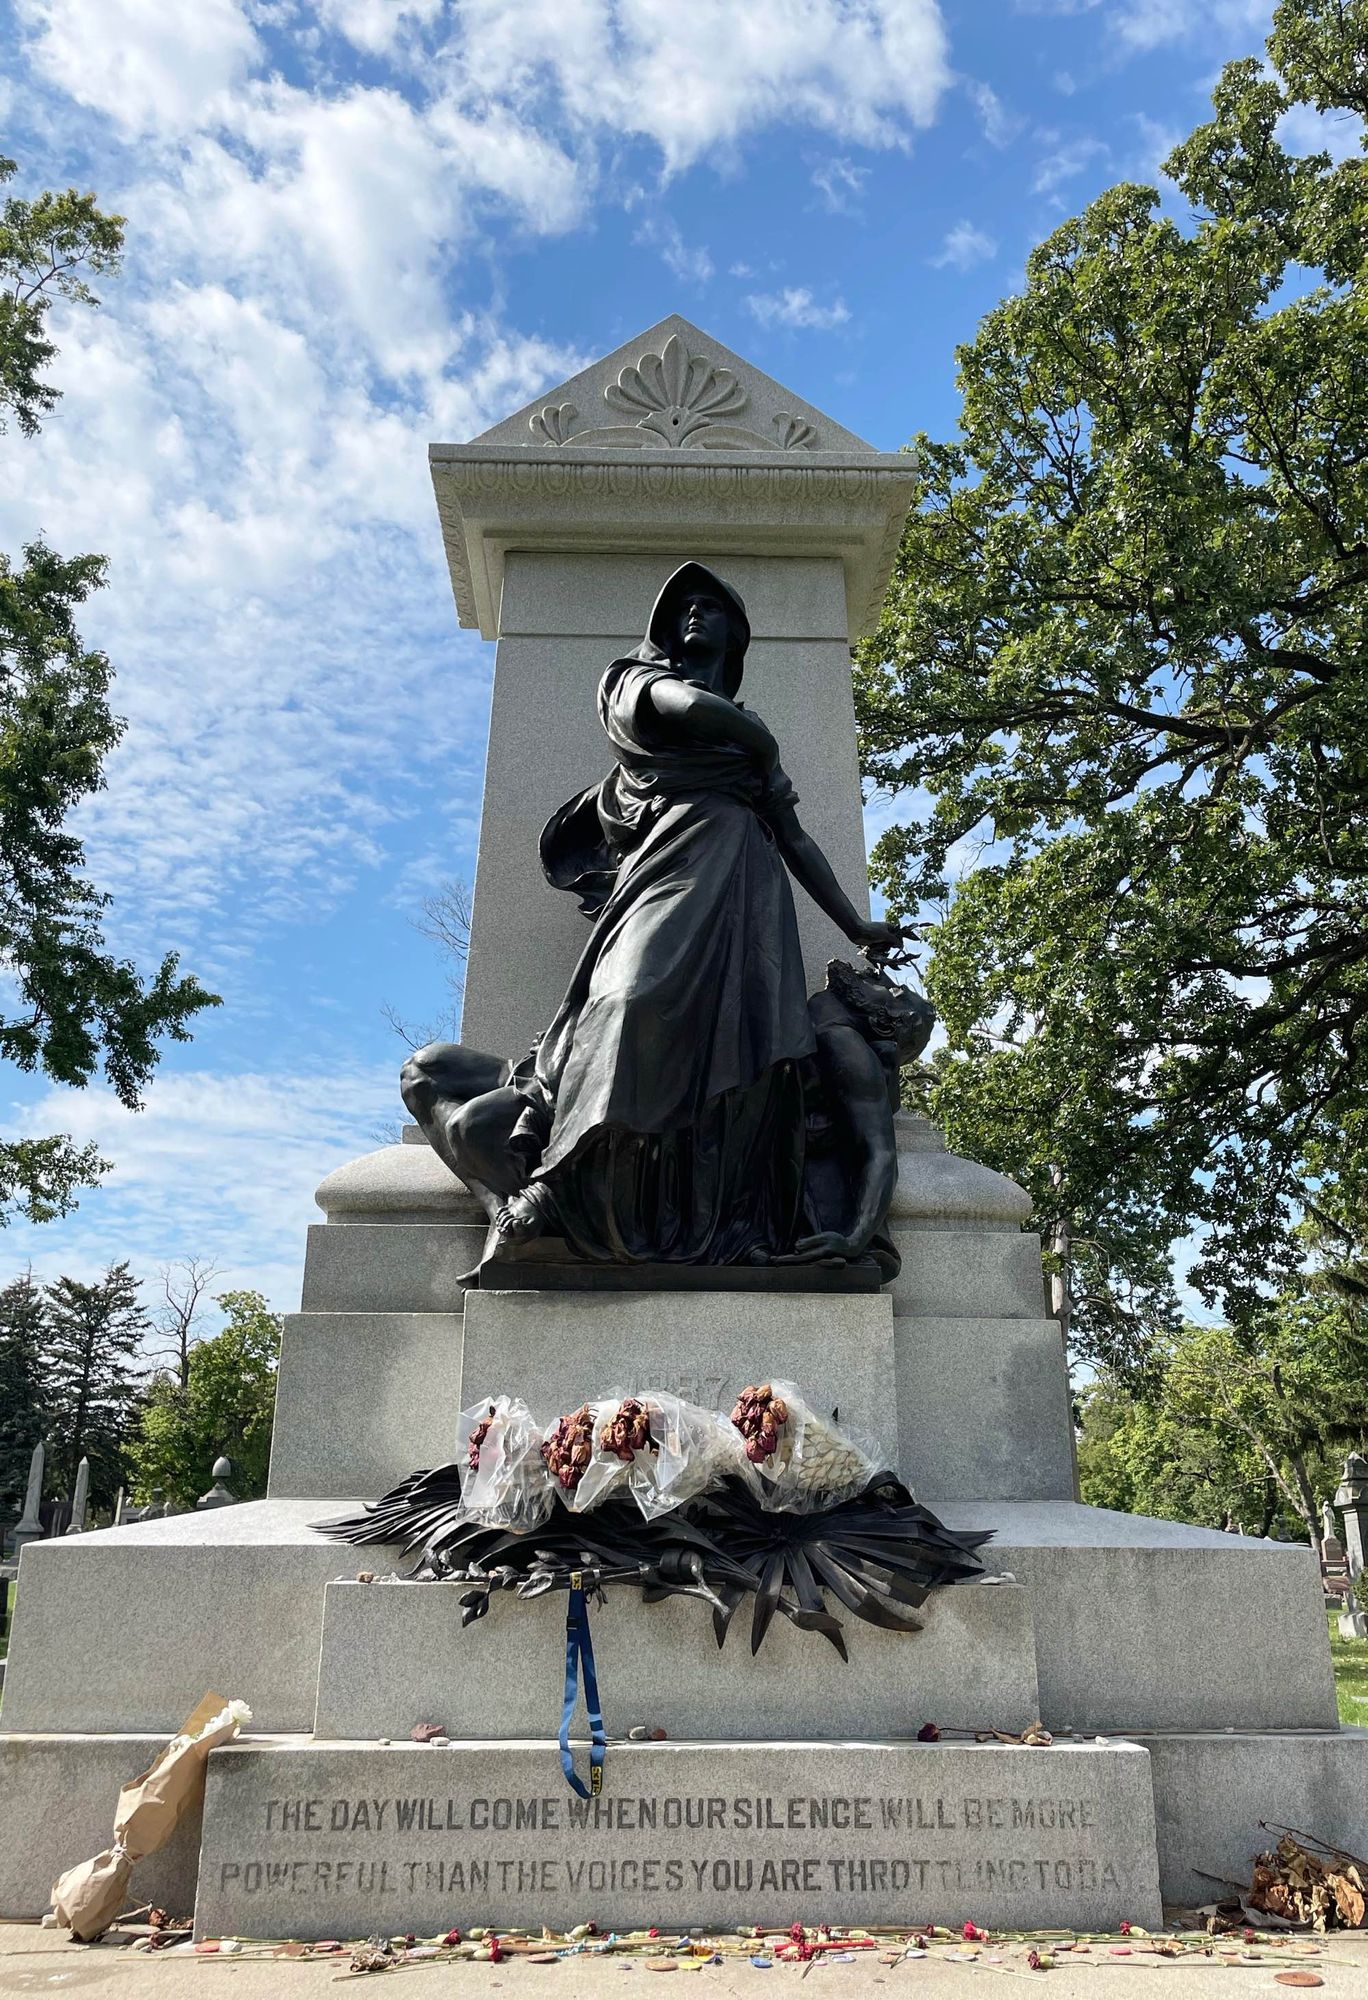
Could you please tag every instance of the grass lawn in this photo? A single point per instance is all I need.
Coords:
(1351, 1674)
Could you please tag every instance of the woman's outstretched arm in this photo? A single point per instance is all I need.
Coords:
(809, 866)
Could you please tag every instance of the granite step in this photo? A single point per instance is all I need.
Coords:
(1138, 1624)
(1143, 1624)
(395, 1654)
(343, 1839)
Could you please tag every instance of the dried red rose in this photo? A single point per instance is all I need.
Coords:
(760, 1415)
(628, 1430)
(567, 1451)
(477, 1438)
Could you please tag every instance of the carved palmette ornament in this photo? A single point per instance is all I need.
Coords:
(674, 398)
(675, 393)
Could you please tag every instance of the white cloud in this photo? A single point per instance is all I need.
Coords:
(1142, 25)
(693, 79)
(840, 183)
(1303, 129)
(692, 265)
(375, 26)
(146, 65)
(222, 1167)
(795, 306)
(1065, 162)
(965, 246)
(1157, 140)
(244, 430)
(1000, 126)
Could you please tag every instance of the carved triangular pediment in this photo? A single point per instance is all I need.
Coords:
(673, 388)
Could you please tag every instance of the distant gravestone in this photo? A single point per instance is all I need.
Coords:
(1351, 1497)
(29, 1527)
(80, 1499)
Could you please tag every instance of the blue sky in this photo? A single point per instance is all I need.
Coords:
(358, 225)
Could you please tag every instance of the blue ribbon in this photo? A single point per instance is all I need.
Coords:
(579, 1650)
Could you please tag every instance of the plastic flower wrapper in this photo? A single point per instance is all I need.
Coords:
(580, 1456)
(504, 1483)
(89, 1897)
(802, 1461)
(686, 1451)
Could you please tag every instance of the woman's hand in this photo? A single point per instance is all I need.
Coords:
(877, 939)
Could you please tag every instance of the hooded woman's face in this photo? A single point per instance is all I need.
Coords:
(703, 633)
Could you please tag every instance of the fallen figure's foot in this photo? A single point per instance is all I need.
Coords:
(520, 1220)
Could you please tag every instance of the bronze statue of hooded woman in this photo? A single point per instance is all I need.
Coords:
(663, 1115)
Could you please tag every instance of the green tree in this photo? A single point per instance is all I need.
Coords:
(95, 1336)
(1246, 1427)
(1126, 653)
(23, 1332)
(226, 1406)
(77, 1008)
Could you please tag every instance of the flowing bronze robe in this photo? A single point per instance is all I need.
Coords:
(666, 1096)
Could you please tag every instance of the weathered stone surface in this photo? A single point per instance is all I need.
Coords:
(388, 1267)
(983, 1409)
(1212, 1790)
(395, 1654)
(1125, 1607)
(57, 1801)
(554, 1349)
(397, 1184)
(363, 1399)
(968, 1272)
(939, 1190)
(800, 599)
(230, 1599)
(346, 1839)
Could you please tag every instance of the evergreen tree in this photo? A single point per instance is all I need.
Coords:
(95, 1334)
(23, 1332)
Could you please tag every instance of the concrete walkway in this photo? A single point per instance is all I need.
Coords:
(37, 1961)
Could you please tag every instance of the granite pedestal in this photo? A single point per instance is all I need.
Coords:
(788, 1787)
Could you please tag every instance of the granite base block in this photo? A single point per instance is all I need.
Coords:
(388, 1267)
(58, 1795)
(340, 1840)
(125, 1628)
(363, 1399)
(395, 1654)
(983, 1408)
(1125, 1609)
(967, 1273)
(1212, 1790)
(555, 1348)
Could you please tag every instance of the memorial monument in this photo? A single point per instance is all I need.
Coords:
(695, 1192)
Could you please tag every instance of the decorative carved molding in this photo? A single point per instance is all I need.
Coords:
(675, 393)
(794, 433)
(691, 474)
(551, 424)
(678, 399)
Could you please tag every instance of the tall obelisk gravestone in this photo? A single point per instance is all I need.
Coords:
(790, 1785)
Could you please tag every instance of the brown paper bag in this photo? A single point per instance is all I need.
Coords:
(89, 1897)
